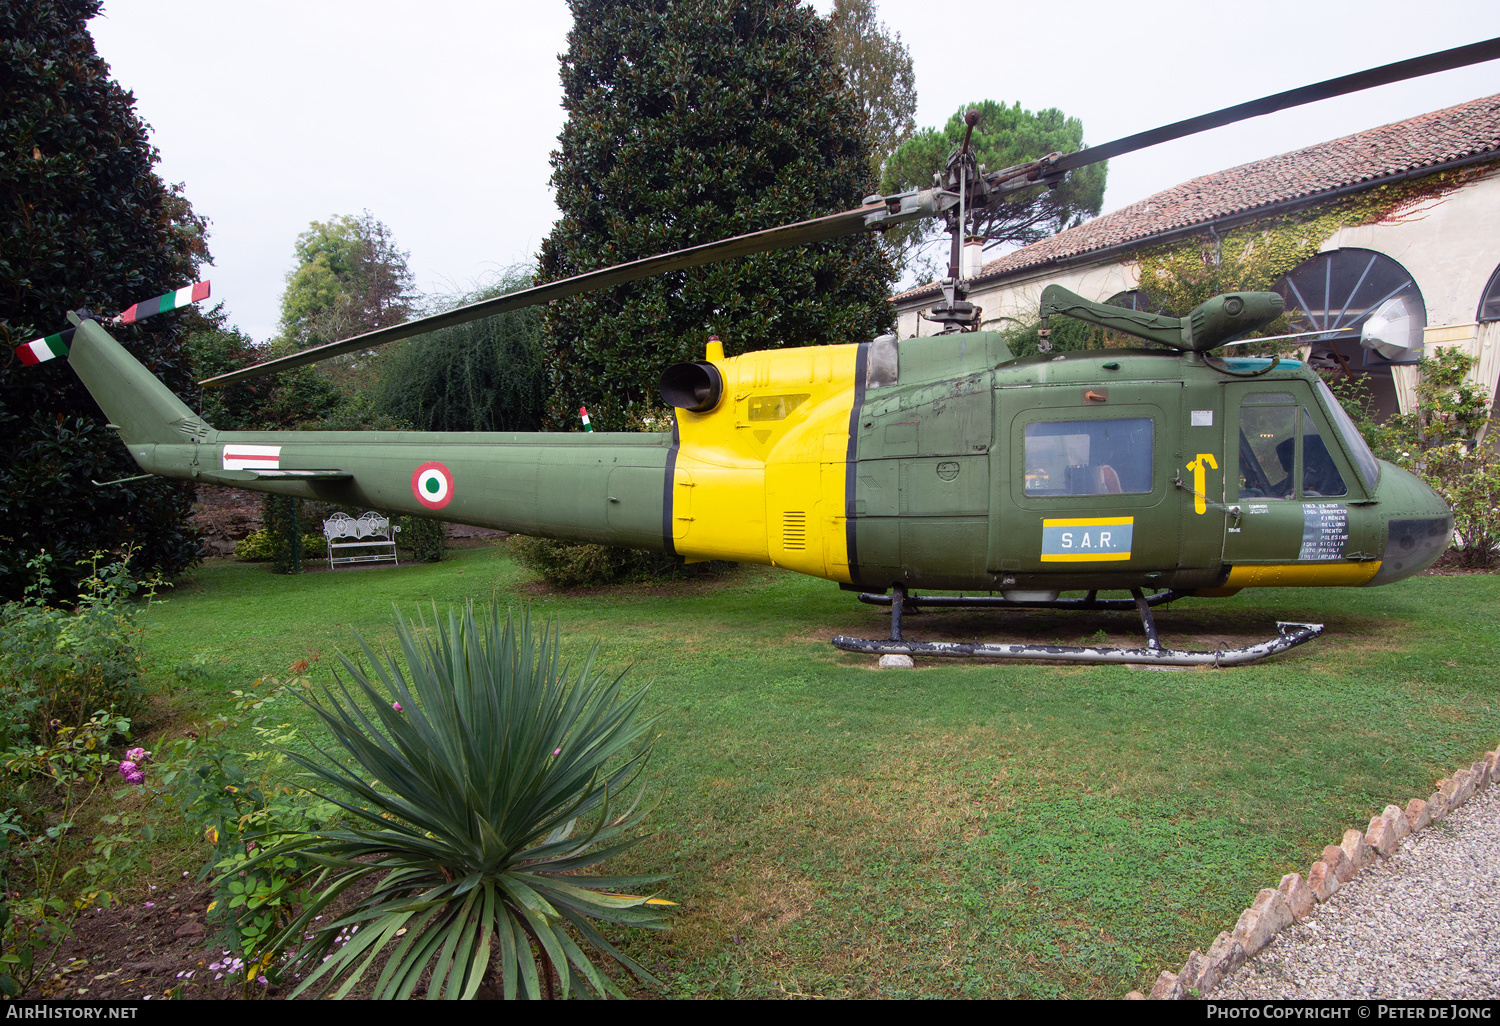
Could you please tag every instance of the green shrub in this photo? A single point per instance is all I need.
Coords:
(1438, 441)
(64, 664)
(1468, 479)
(69, 683)
(422, 540)
(257, 547)
(479, 790)
(235, 799)
(578, 564)
(49, 873)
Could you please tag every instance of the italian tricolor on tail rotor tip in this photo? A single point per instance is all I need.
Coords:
(53, 346)
(184, 296)
(44, 349)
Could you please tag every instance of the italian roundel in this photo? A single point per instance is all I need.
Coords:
(432, 484)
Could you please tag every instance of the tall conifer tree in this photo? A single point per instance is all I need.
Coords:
(878, 67)
(84, 221)
(689, 121)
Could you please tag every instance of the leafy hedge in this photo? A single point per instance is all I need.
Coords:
(576, 564)
(84, 222)
(59, 666)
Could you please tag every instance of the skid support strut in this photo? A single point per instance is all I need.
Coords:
(1148, 621)
(898, 606)
(1290, 635)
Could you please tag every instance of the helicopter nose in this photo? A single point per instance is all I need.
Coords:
(1418, 524)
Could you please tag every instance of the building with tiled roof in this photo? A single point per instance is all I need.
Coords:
(1441, 261)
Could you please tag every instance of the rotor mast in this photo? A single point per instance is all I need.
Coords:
(955, 312)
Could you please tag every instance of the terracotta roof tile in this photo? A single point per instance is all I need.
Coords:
(1424, 141)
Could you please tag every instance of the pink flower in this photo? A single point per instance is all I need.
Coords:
(137, 755)
(132, 773)
(556, 751)
(396, 706)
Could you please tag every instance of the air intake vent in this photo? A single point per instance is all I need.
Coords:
(794, 530)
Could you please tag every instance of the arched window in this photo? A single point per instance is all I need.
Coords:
(1138, 299)
(1337, 292)
(1489, 303)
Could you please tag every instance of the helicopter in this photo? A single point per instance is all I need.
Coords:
(941, 463)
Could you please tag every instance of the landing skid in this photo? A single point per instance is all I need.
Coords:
(1291, 634)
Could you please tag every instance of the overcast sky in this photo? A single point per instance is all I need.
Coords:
(439, 118)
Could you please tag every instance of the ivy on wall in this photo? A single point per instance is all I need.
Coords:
(1253, 256)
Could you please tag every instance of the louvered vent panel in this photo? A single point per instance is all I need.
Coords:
(794, 530)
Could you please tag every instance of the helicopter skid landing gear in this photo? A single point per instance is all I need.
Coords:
(1290, 635)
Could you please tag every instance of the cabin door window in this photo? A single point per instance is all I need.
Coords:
(1078, 486)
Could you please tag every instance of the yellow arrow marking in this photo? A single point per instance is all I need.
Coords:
(1200, 467)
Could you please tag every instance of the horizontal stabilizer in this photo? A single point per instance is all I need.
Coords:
(279, 475)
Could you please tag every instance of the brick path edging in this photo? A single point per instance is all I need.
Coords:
(1296, 897)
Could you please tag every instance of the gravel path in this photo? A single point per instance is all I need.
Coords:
(1422, 925)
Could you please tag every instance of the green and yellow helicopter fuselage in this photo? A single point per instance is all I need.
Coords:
(941, 463)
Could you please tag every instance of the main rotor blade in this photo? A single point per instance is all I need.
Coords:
(785, 236)
(877, 215)
(1443, 60)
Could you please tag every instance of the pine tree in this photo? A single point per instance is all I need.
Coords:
(1005, 136)
(690, 121)
(84, 221)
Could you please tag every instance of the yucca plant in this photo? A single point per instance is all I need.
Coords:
(479, 786)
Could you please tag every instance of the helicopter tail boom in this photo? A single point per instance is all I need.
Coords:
(601, 487)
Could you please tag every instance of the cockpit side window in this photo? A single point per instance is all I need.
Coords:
(1282, 445)
(1320, 475)
(1268, 446)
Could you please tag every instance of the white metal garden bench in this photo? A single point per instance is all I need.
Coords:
(370, 531)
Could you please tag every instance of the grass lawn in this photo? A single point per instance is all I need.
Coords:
(980, 830)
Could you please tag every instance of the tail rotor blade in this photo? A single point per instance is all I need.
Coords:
(52, 346)
(44, 349)
(185, 296)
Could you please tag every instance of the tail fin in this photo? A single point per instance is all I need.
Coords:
(140, 406)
